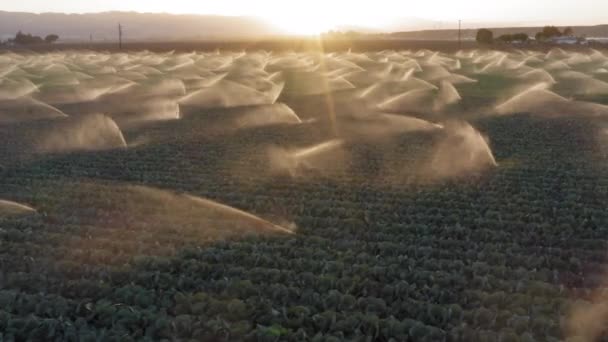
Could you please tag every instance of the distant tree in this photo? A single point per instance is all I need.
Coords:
(521, 37)
(20, 38)
(51, 38)
(539, 36)
(485, 36)
(551, 32)
(517, 37)
(506, 38)
(568, 31)
(26, 39)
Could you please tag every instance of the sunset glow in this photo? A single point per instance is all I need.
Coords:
(315, 16)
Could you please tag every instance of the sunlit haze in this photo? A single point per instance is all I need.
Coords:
(315, 16)
(294, 170)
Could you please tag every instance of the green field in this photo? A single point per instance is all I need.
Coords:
(381, 247)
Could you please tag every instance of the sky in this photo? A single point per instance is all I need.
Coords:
(319, 15)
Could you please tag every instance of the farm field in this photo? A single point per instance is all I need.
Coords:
(290, 196)
(284, 44)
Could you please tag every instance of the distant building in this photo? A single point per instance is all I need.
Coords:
(601, 40)
(568, 40)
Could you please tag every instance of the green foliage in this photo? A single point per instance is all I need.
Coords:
(549, 32)
(29, 39)
(495, 258)
(539, 37)
(485, 36)
(506, 38)
(26, 39)
(51, 38)
(521, 37)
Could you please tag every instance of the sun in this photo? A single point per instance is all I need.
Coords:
(301, 24)
(317, 16)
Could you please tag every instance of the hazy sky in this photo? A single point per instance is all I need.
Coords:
(323, 14)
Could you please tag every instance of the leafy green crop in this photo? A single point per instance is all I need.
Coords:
(501, 255)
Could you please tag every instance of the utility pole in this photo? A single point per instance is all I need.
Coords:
(120, 36)
(460, 34)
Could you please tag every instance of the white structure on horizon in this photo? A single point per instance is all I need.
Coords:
(569, 40)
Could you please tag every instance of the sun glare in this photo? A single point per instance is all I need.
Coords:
(301, 25)
(319, 17)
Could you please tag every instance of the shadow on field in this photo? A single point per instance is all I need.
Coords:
(369, 259)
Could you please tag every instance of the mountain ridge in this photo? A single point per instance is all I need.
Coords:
(137, 26)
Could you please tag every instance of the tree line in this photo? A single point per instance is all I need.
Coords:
(486, 36)
(29, 39)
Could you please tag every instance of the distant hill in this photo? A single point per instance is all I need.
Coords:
(587, 31)
(137, 26)
(161, 26)
(144, 27)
